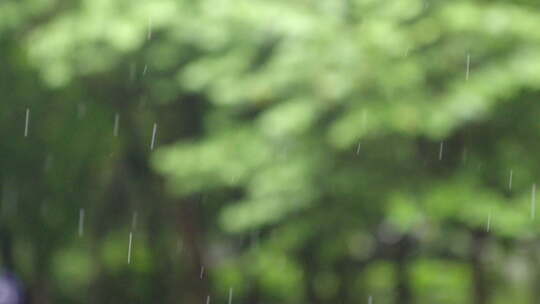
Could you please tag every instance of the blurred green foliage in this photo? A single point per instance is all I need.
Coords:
(306, 151)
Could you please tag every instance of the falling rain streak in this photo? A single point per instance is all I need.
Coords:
(202, 272)
(154, 131)
(129, 247)
(149, 35)
(441, 148)
(81, 222)
(230, 295)
(468, 66)
(533, 201)
(208, 299)
(488, 228)
(27, 121)
(510, 180)
(358, 149)
(116, 124)
(370, 300)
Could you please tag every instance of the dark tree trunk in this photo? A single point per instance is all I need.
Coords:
(310, 267)
(480, 284)
(403, 289)
(7, 252)
(346, 269)
(191, 232)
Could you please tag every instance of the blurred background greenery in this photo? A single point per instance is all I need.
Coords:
(306, 151)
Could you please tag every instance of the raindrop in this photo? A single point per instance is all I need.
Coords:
(468, 66)
(145, 69)
(358, 149)
(441, 147)
(533, 201)
(149, 35)
(370, 300)
(202, 272)
(208, 299)
(129, 247)
(154, 130)
(116, 123)
(81, 222)
(510, 180)
(488, 228)
(230, 295)
(27, 120)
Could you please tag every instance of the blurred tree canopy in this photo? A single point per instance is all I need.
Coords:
(270, 151)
